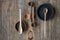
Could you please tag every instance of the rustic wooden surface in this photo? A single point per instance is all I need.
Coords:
(9, 16)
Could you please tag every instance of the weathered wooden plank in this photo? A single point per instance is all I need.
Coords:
(9, 16)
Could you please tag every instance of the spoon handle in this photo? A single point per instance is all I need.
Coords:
(45, 13)
(44, 26)
(20, 26)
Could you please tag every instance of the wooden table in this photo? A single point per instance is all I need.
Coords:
(9, 16)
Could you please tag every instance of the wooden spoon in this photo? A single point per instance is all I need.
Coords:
(45, 13)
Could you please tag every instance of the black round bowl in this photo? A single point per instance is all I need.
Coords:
(40, 11)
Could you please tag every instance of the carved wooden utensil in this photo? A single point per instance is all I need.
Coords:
(18, 25)
(30, 32)
(45, 13)
(31, 5)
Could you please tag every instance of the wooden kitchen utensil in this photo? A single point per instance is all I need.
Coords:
(45, 13)
(30, 32)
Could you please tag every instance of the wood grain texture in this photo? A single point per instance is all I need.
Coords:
(9, 16)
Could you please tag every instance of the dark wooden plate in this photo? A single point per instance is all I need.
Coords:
(50, 13)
